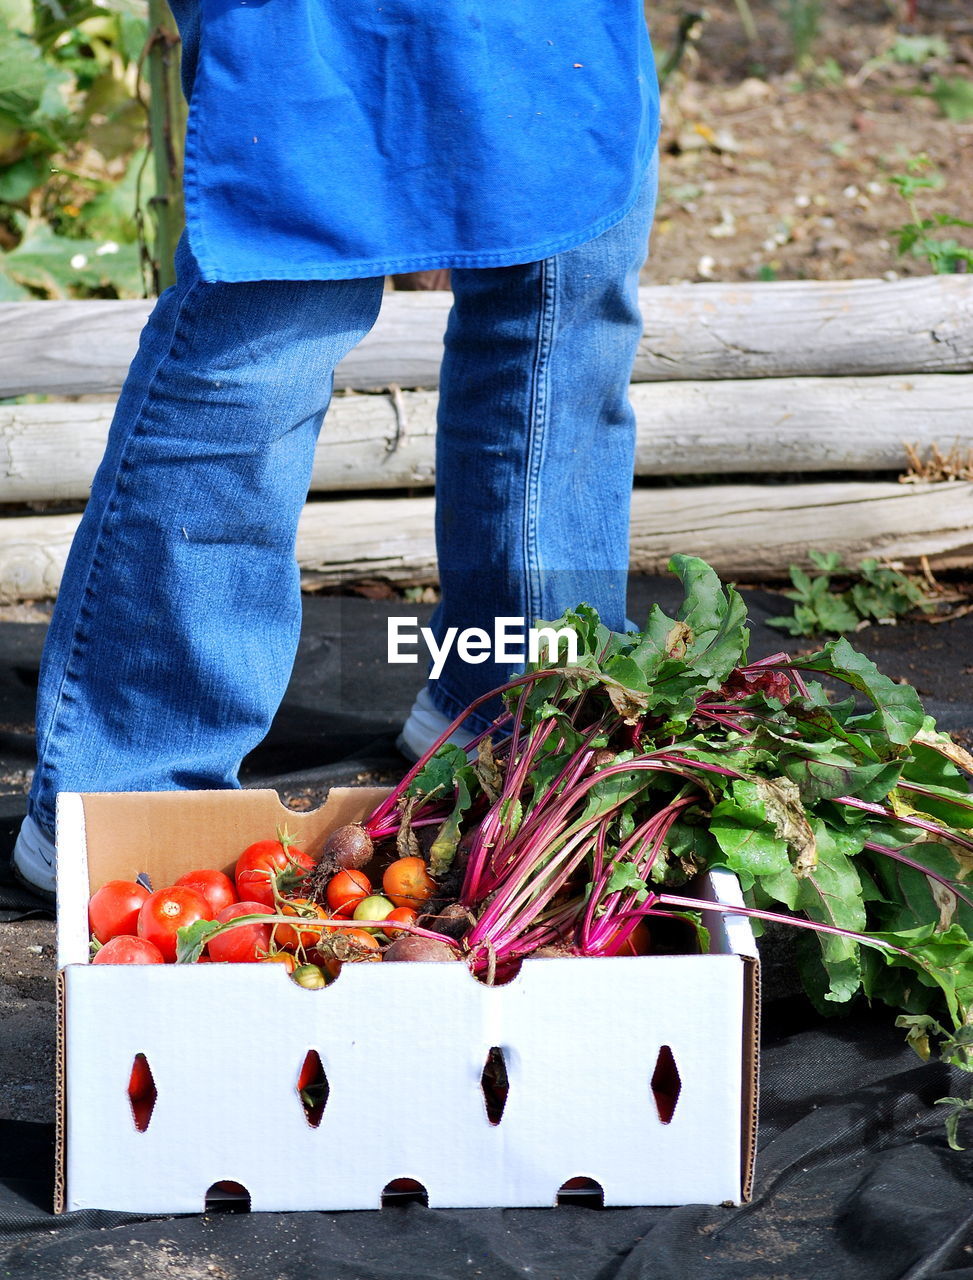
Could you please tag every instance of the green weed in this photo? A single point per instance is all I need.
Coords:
(876, 594)
(944, 254)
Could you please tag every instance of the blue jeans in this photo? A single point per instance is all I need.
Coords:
(177, 621)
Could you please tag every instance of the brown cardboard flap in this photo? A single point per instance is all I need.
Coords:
(167, 833)
(751, 1074)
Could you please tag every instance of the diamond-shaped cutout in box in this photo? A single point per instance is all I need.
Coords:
(495, 1084)
(666, 1085)
(142, 1092)
(313, 1088)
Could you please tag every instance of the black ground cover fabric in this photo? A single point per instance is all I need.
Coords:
(854, 1175)
(854, 1179)
(345, 702)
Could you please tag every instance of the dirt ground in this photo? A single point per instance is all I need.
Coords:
(772, 173)
(767, 173)
(27, 1013)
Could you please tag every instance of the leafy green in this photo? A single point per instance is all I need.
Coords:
(437, 776)
(443, 848)
(954, 97)
(716, 617)
(960, 1108)
(830, 895)
(661, 753)
(876, 593)
(73, 182)
(944, 255)
(448, 771)
(898, 705)
(624, 876)
(192, 938)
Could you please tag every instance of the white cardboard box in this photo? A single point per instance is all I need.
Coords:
(403, 1047)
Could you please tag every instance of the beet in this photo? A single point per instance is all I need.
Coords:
(412, 948)
(453, 921)
(553, 951)
(350, 846)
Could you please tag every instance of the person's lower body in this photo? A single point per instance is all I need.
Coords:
(177, 622)
(535, 448)
(175, 628)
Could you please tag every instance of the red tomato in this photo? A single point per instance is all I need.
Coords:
(310, 1072)
(127, 949)
(407, 882)
(281, 957)
(403, 914)
(215, 887)
(639, 942)
(245, 943)
(346, 889)
(168, 910)
(260, 862)
(140, 1083)
(142, 1109)
(114, 909)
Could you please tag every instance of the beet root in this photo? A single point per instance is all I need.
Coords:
(413, 948)
(349, 846)
(453, 921)
(553, 951)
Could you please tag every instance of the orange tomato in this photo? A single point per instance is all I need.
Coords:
(404, 914)
(290, 937)
(639, 942)
(407, 882)
(357, 944)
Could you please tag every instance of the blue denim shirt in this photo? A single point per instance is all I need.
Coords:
(333, 139)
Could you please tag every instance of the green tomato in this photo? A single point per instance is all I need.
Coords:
(310, 977)
(374, 908)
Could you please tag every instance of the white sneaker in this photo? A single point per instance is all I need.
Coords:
(423, 727)
(34, 858)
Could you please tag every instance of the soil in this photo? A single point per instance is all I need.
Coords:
(768, 172)
(27, 1046)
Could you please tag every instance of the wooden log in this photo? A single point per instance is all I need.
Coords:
(33, 550)
(49, 452)
(805, 327)
(774, 329)
(387, 441)
(745, 531)
(756, 531)
(767, 425)
(67, 348)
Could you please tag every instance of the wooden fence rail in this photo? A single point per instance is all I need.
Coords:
(744, 531)
(731, 380)
(387, 441)
(787, 328)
